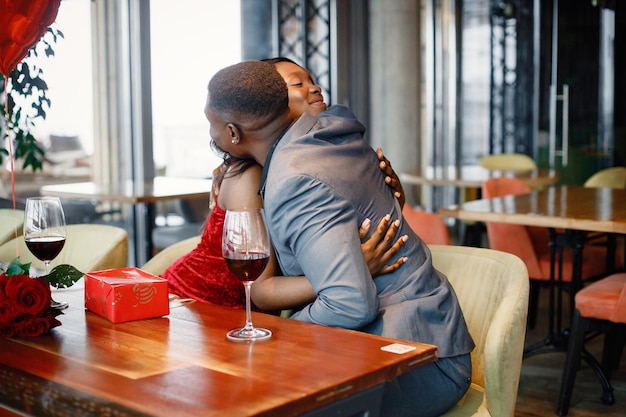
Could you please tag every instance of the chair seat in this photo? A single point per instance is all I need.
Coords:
(474, 403)
(593, 263)
(600, 299)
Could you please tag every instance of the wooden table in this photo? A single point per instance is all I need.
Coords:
(183, 365)
(142, 194)
(566, 207)
(571, 208)
(469, 179)
(473, 176)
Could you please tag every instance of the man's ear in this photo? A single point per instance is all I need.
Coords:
(234, 133)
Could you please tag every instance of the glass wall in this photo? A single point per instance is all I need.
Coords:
(68, 75)
(190, 41)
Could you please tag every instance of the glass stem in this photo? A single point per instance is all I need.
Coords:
(249, 327)
(47, 264)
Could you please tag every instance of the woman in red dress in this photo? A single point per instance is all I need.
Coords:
(202, 274)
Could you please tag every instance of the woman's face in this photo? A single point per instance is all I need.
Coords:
(304, 95)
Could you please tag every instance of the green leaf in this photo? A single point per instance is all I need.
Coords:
(63, 276)
(17, 268)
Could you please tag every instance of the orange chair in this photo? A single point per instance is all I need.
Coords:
(599, 306)
(532, 245)
(429, 226)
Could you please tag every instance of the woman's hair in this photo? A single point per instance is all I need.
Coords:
(278, 59)
(241, 163)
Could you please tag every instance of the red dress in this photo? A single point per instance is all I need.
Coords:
(202, 274)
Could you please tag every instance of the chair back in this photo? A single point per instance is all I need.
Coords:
(162, 260)
(527, 239)
(11, 224)
(610, 178)
(88, 247)
(493, 289)
(508, 162)
(429, 226)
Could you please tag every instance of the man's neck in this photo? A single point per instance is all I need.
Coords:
(265, 138)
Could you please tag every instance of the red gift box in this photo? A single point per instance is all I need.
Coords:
(125, 294)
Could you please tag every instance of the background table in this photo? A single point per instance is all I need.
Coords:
(139, 193)
(183, 365)
(468, 181)
(566, 207)
(473, 176)
(571, 208)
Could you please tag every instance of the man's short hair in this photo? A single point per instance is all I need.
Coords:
(249, 88)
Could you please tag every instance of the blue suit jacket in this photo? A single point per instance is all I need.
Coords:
(320, 182)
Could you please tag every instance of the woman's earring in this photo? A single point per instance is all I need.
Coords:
(234, 141)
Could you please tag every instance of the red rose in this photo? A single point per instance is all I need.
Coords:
(7, 312)
(26, 326)
(6, 330)
(28, 295)
(3, 281)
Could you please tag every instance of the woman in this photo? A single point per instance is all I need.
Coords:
(202, 274)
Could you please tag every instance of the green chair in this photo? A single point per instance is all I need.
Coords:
(162, 260)
(492, 288)
(609, 178)
(88, 247)
(508, 162)
(11, 224)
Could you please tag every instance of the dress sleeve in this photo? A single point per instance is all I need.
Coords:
(315, 232)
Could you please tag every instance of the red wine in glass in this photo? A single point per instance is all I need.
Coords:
(246, 249)
(249, 268)
(45, 248)
(44, 231)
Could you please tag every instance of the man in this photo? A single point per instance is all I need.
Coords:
(320, 180)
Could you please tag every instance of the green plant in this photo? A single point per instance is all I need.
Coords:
(27, 101)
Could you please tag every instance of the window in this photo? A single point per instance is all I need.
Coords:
(69, 77)
(190, 41)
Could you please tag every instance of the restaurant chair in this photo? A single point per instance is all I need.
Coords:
(11, 224)
(429, 226)
(162, 260)
(601, 306)
(193, 214)
(492, 289)
(512, 162)
(88, 247)
(532, 245)
(614, 177)
(508, 162)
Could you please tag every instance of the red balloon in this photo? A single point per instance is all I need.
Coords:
(22, 24)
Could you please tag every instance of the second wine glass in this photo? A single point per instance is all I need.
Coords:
(44, 231)
(246, 248)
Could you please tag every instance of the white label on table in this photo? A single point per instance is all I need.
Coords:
(397, 348)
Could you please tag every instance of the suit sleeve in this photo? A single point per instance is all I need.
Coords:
(315, 232)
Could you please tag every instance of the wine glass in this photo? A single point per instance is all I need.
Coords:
(44, 231)
(246, 248)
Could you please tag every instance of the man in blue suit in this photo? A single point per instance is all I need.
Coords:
(320, 181)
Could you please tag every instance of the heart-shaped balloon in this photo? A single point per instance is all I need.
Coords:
(22, 24)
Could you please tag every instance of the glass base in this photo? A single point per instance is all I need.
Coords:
(59, 305)
(244, 335)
